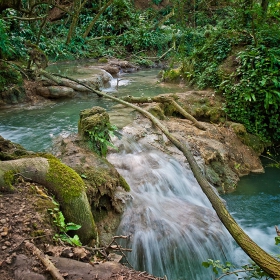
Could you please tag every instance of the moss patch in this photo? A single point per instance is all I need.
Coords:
(124, 184)
(68, 183)
(9, 180)
(248, 139)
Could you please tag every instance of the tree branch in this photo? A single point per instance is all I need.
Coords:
(165, 99)
(45, 261)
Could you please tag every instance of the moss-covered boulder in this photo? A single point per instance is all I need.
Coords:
(103, 183)
(91, 119)
(246, 138)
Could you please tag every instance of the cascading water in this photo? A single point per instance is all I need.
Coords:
(171, 224)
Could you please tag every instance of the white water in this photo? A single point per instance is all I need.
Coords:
(171, 224)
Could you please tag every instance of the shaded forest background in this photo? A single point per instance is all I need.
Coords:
(230, 46)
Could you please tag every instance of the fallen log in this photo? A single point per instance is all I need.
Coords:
(165, 99)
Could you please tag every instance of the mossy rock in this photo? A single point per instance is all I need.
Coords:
(103, 60)
(172, 75)
(90, 119)
(102, 181)
(248, 139)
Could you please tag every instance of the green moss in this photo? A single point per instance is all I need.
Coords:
(254, 142)
(248, 139)
(103, 60)
(157, 111)
(9, 180)
(172, 75)
(169, 109)
(68, 183)
(97, 177)
(124, 184)
(38, 232)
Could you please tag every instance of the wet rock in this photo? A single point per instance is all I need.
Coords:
(22, 271)
(79, 270)
(56, 92)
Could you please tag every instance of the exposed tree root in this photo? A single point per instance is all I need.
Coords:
(60, 180)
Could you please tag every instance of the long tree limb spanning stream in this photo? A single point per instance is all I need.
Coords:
(268, 263)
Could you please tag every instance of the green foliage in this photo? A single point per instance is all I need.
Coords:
(6, 48)
(9, 76)
(157, 2)
(253, 92)
(217, 265)
(273, 157)
(63, 228)
(99, 138)
(248, 271)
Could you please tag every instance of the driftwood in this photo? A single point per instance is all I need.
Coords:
(45, 261)
(268, 263)
(165, 99)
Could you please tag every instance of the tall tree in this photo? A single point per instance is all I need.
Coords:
(90, 26)
(77, 8)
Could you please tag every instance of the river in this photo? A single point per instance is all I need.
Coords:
(164, 242)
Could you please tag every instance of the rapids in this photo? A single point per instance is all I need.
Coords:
(170, 222)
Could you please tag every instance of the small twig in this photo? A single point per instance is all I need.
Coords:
(234, 272)
(123, 254)
(272, 159)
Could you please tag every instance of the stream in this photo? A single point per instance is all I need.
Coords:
(172, 225)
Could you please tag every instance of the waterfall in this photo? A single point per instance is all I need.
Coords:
(171, 223)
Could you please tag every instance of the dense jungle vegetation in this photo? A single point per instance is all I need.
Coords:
(230, 46)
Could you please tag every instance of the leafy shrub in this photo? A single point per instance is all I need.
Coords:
(63, 228)
(253, 92)
(6, 48)
(100, 138)
(8, 76)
